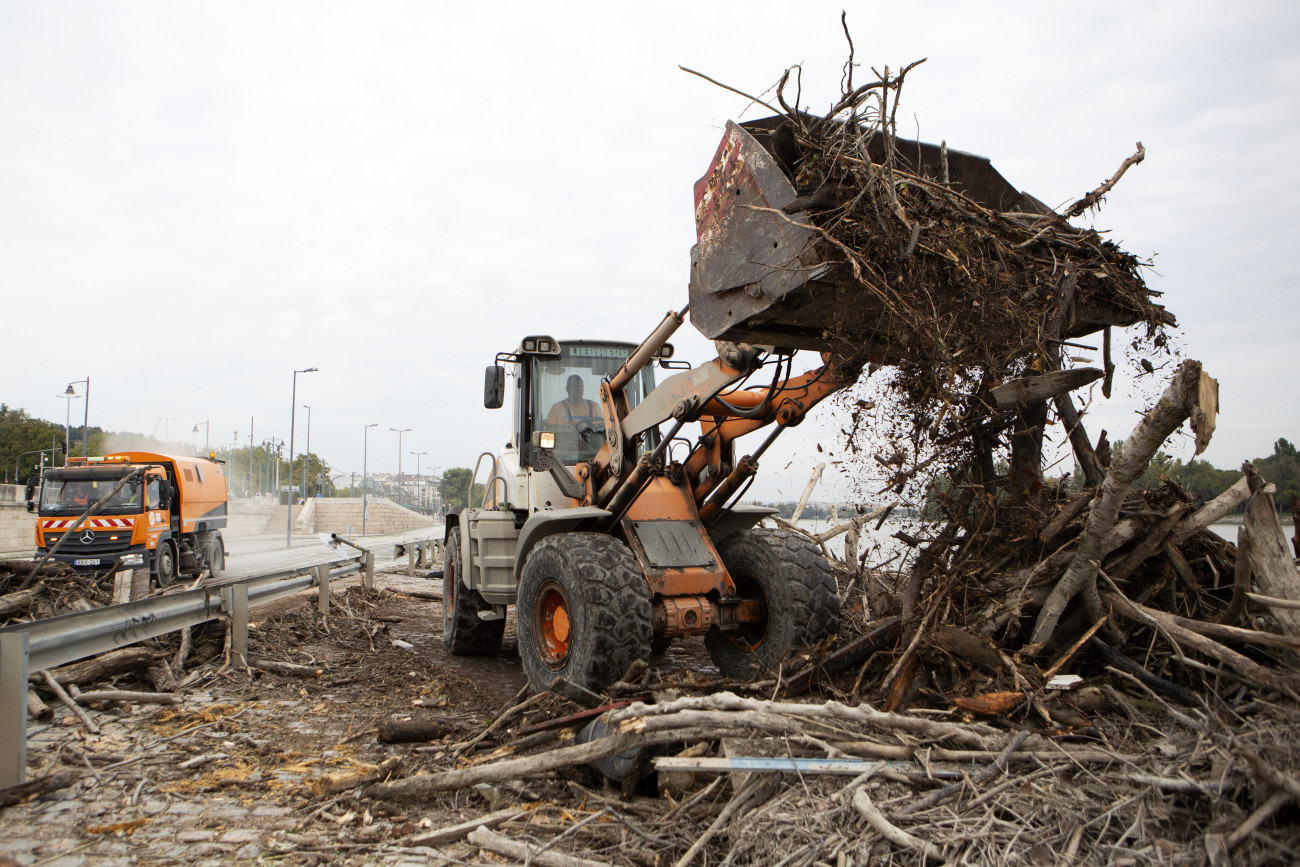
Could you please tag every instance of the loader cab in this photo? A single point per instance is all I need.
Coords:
(557, 390)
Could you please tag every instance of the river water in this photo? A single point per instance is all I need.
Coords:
(881, 547)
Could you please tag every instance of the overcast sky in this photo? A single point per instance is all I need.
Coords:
(198, 199)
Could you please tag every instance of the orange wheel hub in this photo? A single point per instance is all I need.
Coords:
(552, 624)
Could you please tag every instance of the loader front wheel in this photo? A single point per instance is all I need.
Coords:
(583, 611)
(464, 633)
(793, 584)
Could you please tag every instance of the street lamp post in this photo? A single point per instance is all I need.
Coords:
(207, 434)
(399, 454)
(306, 458)
(167, 428)
(85, 421)
(419, 489)
(293, 417)
(365, 468)
(67, 423)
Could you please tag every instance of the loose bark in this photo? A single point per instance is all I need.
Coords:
(1174, 407)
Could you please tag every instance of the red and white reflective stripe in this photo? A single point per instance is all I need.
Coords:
(93, 524)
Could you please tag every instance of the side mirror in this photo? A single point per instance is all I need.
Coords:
(31, 489)
(494, 387)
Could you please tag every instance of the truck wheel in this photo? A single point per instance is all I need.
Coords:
(464, 633)
(165, 564)
(792, 582)
(583, 611)
(215, 555)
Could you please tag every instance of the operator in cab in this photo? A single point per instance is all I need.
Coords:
(573, 418)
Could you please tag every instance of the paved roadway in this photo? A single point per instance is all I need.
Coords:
(250, 555)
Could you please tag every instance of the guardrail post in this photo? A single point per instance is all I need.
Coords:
(239, 621)
(410, 559)
(323, 586)
(13, 708)
(368, 570)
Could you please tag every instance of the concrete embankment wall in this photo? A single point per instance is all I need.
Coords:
(247, 517)
(17, 525)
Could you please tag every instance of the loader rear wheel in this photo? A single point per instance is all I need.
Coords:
(165, 564)
(464, 633)
(793, 584)
(583, 611)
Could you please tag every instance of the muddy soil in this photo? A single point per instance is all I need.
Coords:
(256, 765)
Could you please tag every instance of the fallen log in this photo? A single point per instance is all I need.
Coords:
(1247, 668)
(1179, 402)
(1213, 511)
(1032, 389)
(39, 786)
(413, 730)
(101, 667)
(528, 766)
(891, 832)
(289, 669)
(1270, 555)
(19, 601)
(36, 707)
(452, 833)
(68, 701)
(526, 853)
(714, 708)
(123, 695)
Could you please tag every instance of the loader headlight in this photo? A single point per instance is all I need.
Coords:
(544, 439)
(132, 560)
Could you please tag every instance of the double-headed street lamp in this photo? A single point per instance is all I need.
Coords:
(419, 488)
(69, 396)
(365, 468)
(293, 417)
(306, 458)
(207, 434)
(85, 430)
(399, 452)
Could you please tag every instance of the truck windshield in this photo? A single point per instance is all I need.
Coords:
(566, 396)
(72, 496)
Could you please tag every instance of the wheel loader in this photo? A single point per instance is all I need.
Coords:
(609, 528)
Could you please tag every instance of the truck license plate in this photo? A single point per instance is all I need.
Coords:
(86, 562)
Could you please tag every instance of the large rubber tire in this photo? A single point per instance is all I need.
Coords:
(583, 611)
(786, 573)
(464, 633)
(165, 565)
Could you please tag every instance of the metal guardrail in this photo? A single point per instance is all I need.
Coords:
(53, 641)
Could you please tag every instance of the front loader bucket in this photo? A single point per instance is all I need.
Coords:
(762, 276)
